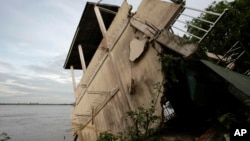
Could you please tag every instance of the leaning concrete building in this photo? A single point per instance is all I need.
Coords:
(118, 52)
(120, 65)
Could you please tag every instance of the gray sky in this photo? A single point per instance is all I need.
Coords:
(35, 37)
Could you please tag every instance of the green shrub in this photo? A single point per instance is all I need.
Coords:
(141, 129)
(106, 136)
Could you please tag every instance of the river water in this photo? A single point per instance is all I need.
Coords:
(36, 122)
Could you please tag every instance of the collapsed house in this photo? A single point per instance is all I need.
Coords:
(119, 52)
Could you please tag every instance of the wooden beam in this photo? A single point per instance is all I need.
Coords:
(73, 78)
(113, 92)
(107, 10)
(99, 92)
(215, 56)
(82, 58)
(164, 37)
(101, 25)
(100, 20)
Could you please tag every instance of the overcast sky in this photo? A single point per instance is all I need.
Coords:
(35, 37)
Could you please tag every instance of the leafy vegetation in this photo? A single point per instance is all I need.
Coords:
(227, 120)
(142, 119)
(247, 103)
(141, 129)
(233, 27)
(106, 136)
(169, 65)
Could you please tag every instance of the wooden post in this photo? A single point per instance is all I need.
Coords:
(73, 77)
(101, 25)
(82, 58)
(100, 21)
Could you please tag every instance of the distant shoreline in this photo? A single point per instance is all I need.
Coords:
(32, 104)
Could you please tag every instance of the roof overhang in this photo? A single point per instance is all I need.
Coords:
(88, 34)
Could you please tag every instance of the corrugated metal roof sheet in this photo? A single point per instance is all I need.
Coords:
(239, 81)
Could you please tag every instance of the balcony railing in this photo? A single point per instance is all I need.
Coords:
(211, 24)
